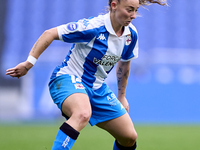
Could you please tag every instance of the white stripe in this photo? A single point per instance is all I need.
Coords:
(73, 79)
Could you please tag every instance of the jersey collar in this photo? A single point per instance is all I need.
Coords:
(109, 27)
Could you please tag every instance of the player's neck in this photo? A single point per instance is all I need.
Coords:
(116, 27)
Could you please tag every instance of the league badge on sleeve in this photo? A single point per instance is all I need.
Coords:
(72, 26)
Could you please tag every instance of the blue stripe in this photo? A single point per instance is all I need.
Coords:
(128, 50)
(64, 63)
(99, 49)
(80, 36)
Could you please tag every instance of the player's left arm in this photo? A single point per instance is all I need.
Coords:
(123, 70)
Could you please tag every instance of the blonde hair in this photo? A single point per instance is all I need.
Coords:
(148, 2)
(144, 2)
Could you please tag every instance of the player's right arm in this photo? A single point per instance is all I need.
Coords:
(38, 48)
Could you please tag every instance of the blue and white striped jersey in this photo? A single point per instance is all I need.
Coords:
(96, 49)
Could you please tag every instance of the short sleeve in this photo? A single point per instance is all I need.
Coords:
(76, 32)
(130, 50)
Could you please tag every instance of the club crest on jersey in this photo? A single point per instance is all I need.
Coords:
(128, 39)
(72, 26)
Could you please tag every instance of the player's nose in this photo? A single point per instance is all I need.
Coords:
(133, 15)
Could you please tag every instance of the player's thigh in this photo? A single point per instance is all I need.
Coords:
(121, 128)
(69, 94)
(76, 103)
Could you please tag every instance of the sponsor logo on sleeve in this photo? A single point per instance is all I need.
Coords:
(85, 22)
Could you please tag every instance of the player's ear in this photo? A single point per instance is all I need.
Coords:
(113, 5)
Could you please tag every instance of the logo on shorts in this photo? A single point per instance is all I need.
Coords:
(112, 100)
(72, 26)
(58, 85)
(79, 86)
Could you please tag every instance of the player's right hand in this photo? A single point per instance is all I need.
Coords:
(20, 70)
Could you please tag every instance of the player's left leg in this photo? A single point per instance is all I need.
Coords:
(122, 129)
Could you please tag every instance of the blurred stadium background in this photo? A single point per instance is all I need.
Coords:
(164, 84)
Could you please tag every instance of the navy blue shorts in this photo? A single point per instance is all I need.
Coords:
(104, 103)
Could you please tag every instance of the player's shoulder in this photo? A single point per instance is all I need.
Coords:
(93, 22)
(132, 28)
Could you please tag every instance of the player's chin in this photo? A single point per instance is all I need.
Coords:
(127, 23)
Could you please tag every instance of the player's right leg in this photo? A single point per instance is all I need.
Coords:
(77, 108)
(71, 98)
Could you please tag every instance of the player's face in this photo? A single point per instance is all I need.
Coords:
(125, 11)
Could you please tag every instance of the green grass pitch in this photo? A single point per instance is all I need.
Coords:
(41, 137)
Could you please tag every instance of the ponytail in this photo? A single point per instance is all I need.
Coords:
(148, 2)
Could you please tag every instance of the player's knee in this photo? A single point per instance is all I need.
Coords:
(85, 116)
(129, 140)
(132, 139)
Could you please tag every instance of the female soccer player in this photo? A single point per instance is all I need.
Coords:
(77, 86)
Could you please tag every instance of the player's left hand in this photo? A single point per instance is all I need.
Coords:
(125, 103)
